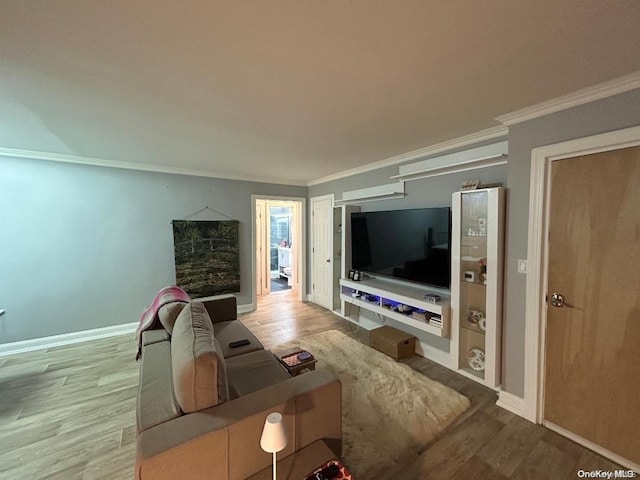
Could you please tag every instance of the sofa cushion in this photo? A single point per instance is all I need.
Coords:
(194, 360)
(233, 331)
(253, 371)
(223, 384)
(168, 313)
(156, 402)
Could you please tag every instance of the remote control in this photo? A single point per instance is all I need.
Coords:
(239, 343)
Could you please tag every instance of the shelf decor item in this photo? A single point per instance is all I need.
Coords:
(483, 270)
(475, 315)
(482, 323)
(475, 358)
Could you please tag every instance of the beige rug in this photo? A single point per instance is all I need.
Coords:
(390, 412)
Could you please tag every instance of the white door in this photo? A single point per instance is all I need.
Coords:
(322, 250)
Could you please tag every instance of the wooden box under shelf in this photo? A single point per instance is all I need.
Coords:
(393, 342)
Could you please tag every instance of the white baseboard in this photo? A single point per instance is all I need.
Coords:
(433, 354)
(246, 308)
(68, 338)
(596, 448)
(511, 402)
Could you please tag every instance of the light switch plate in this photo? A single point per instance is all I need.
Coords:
(522, 266)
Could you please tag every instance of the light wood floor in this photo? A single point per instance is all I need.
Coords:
(69, 412)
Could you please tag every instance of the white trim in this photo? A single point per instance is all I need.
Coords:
(301, 251)
(535, 288)
(592, 446)
(511, 402)
(69, 338)
(574, 99)
(245, 308)
(101, 162)
(320, 198)
(480, 157)
(434, 354)
(371, 194)
(459, 142)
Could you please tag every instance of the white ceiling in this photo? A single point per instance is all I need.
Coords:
(290, 90)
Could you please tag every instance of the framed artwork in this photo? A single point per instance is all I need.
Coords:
(207, 257)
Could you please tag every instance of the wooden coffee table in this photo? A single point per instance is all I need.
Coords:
(288, 359)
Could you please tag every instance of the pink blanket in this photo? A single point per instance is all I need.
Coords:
(150, 314)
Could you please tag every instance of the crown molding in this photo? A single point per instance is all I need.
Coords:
(477, 137)
(100, 162)
(574, 99)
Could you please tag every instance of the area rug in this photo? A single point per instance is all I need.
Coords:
(390, 412)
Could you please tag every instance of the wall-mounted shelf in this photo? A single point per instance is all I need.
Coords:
(372, 194)
(481, 157)
(389, 295)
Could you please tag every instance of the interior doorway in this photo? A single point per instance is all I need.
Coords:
(278, 245)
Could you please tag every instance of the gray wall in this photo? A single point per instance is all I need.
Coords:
(614, 113)
(428, 192)
(84, 247)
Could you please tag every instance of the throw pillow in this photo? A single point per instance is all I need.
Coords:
(194, 361)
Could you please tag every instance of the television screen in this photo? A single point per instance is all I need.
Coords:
(411, 245)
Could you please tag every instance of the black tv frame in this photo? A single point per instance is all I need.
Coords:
(432, 269)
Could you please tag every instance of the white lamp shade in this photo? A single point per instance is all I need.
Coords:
(273, 437)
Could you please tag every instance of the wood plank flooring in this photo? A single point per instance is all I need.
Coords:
(69, 412)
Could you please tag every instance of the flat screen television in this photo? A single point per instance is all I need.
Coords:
(412, 245)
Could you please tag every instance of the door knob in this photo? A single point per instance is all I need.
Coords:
(557, 301)
(328, 260)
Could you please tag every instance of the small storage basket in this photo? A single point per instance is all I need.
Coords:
(393, 342)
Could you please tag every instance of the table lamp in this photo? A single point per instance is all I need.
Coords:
(274, 438)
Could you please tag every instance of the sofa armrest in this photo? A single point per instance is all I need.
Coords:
(156, 335)
(221, 308)
(224, 441)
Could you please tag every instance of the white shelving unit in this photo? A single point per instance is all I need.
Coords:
(477, 255)
(386, 296)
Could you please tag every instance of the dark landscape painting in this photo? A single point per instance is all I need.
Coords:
(207, 256)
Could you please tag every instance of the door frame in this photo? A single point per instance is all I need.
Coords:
(320, 198)
(262, 227)
(537, 258)
(301, 251)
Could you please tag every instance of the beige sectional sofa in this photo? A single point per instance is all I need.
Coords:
(201, 404)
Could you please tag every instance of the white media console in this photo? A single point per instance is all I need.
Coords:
(387, 298)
